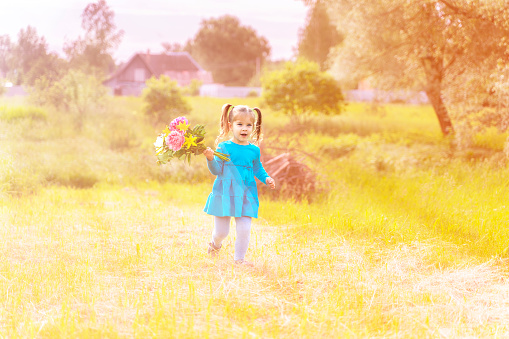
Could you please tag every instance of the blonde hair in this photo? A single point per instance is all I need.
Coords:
(230, 112)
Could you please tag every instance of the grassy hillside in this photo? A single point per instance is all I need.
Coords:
(405, 238)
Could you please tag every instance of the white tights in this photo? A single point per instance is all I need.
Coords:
(243, 227)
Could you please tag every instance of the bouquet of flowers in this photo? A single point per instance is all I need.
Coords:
(179, 140)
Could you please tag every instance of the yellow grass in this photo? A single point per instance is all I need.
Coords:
(116, 261)
(407, 240)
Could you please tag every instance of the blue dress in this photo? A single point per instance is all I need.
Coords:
(234, 192)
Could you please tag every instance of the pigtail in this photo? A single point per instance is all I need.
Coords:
(224, 128)
(258, 136)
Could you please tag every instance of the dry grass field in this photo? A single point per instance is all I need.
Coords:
(98, 242)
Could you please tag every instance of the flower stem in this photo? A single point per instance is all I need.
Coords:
(221, 156)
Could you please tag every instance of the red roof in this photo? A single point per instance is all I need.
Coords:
(175, 61)
(158, 64)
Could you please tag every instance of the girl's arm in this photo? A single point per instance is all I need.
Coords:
(214, 164)
(271, 182)
(258, 169)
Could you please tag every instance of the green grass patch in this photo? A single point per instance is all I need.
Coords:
(491, 139)
(10, 114)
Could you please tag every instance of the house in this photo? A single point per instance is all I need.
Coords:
(222, 91)
(366, 92)
(130, 78)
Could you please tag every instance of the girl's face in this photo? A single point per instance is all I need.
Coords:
(242, 127)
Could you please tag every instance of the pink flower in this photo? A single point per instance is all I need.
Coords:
(175, 122)
(175, 140)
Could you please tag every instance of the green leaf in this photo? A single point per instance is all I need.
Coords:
(179, 153)
(164, 157)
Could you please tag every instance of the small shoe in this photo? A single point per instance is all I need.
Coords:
(243, 262)
(213, 249)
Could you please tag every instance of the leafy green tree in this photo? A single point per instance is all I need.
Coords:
(82, 93)
(268, 66)
(5, 54)
(434, 45)
(93, 51)
(163, 99)
(76, 92)
(231, 52)
(301, 89)
(172, 47)
(28, 59)
(319, 35)
(51, 66)
(30, 50)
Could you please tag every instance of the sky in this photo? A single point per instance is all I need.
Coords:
(149, 23)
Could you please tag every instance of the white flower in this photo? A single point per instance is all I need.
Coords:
(160, 141)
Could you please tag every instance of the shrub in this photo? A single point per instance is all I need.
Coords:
(193, 89)
(163, 99)
(252, 94)
(73, 177)
(301, 89)
(77, 93)
(13, 180)
(122, 139)
(45, 92)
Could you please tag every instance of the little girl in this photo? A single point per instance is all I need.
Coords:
(234, 193)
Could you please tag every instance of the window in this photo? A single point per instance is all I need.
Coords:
(139, 74)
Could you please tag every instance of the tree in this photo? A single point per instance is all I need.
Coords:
(172, 47)
(5, 55)
(2, 87)
(76, 92)
(93, 51)
(29, 59)
(163, 99)
(301, 89)
(319, 35)
(51, 66)
(231, 52)
(428, 44)
(29, 50)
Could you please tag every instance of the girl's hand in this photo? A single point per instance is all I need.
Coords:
(269, 181)
(209, 154)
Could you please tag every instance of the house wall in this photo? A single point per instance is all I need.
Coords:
(222, 91)
(374, 95)
(126, 83)
(131, 88)
(129, 73)
(15, 91)
(184, 78)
